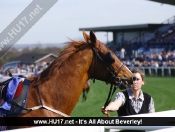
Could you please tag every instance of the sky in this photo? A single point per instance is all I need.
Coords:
(65, 18)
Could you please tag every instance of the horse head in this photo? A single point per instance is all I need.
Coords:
(106, 65)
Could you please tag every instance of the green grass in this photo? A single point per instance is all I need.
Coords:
(162, 89)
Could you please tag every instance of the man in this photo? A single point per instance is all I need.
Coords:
(133, 100)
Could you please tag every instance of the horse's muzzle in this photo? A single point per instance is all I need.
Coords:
(123, 83)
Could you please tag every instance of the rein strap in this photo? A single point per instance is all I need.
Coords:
(48, 108)
(45, 107)
(110, 94)
(42, 106)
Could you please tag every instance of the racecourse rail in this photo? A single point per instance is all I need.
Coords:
(158, 71)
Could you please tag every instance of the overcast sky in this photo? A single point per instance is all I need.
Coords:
(66, 17)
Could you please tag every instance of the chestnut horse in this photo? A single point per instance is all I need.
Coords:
(56, 90)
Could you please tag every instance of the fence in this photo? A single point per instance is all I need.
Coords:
(168, 113)
(158, 71)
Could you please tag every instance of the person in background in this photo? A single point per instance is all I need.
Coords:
(38, 71)
(9, 73)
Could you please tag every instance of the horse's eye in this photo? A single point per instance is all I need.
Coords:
(109, 58)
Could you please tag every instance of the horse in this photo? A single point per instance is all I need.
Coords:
(56, 90)
(86, 89)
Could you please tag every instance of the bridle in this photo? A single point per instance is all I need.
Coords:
(107, 66)
(118, 81)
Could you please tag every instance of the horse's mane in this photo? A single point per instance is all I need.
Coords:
(72, 47)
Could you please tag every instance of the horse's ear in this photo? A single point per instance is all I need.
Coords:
(94, 39)
(86, 37)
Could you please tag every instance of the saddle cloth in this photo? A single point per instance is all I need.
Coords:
(13, 93)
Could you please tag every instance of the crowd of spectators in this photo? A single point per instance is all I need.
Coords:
(161, 55)
(151, 59)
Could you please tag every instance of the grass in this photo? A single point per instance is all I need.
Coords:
(162, 89)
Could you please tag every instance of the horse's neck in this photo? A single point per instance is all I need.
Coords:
(66, 85)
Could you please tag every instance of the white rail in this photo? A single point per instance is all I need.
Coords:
(158, 71)
(169, 113)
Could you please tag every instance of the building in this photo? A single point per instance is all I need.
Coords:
(124, 35)
(170, 2)
(32, 59)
